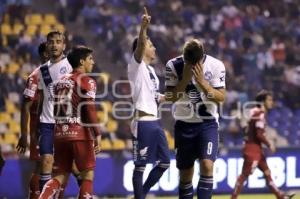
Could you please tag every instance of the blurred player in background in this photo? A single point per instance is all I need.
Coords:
(74, 103)
(253, 152)
(196, 84)
(149, 140)
(30, 111)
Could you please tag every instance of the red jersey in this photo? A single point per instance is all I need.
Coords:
(74, 107)
(255, 132)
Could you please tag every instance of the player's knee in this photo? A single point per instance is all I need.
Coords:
(207, 167)
(47, 160)
(186, 175)
(87, 175)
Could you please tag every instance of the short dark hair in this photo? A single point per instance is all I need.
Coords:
(55, 32)
(193, 51)
(76, 54)
(42, 48)
(262, 95)
(134, 44)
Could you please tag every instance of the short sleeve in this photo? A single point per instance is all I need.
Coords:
(171, 76)
(260, 122)
(133, 64)
(89, 88)
(218, 80)
(30, 91)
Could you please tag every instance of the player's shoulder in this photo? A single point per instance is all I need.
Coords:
(213, 61)
(257, 113)
(175, 61)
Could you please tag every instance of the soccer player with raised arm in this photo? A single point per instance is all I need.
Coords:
(253, 152)
(149, 140)
(195, 83)
(30, 111)
(75, 111)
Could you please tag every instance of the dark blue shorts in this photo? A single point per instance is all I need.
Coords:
(195, 141)
(46, 138)
(151, 144)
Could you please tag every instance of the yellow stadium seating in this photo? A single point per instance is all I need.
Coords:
(104, 77)
(14, 127)
(112, 126)
(106, 144)
(107, 106)
(13, 67)
(10, 138)
(50, 19)
(4, 117)
(10, 106)
(31, 30)
(17, 27)
(34, 19)
(59, 27)
(118, 144)
(6, 29)
(102, 116)
(45, 29)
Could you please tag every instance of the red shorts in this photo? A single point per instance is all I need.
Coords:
(81, 151)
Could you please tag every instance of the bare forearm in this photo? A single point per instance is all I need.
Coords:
(211, 93)
(141, 44)
(25, 116)
(173, 94)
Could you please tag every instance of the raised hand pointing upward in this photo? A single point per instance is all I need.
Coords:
(145, 18)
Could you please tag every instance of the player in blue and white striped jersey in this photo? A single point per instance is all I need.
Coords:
(195, 83)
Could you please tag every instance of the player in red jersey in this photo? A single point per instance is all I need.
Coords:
(30, 112)
(74, 140)
(253, 152)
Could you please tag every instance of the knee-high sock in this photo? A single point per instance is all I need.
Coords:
(137, 181)
(273, 187)
(86, 189)
(34, 189)
(44, 178)
(186, 190)
(154, 176)
(205, 185)
(238, 186)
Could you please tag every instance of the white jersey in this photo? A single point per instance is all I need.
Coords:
(193, 106)
(144, 86)
(48, 74)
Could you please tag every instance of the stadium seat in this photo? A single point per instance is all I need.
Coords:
(10, 138)
(102, 116)
(34, 19)
(17, 27)
(13, 67)
(31, 30)
(45, 29)
(118, 144)
(6, 29)
(112, 126)
(50, 19)
(107, 106)
(59, 27)
(4, 117)
(106, 144)
(14, 127)
(104, 77)
(10, 106)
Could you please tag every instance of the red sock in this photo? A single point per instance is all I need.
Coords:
(34, 189)
(86, 189)
(273, 187)
(238, 186)
(50, 188)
